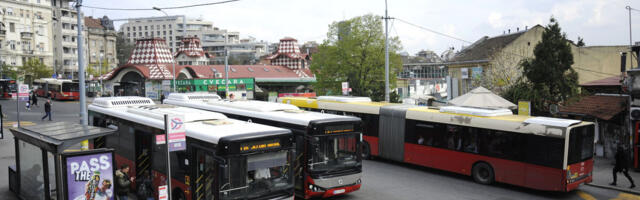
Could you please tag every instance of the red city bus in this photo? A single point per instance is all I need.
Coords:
(7, 88)
(488, 144)
(58, 89)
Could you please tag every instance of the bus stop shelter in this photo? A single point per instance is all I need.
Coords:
(40, 149)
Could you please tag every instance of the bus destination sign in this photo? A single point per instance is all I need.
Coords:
(344, 128)
(260, 145)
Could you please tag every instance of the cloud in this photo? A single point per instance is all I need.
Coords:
(495, 20)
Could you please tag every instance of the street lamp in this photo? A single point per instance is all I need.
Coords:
(173, 59)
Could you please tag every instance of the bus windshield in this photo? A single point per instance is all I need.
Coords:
(334, 152)
(70, 87)
(257, 175)
(580, 144)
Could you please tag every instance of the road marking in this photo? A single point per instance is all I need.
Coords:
(585, 196)
(626, 196)
(11, 124)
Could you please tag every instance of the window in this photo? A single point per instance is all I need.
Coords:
(12, 45)
(128, 28)
(545, 151)
(10, 11)
(169, 26)
(158, 32)
(134, 28)
(163, 33)
(500, 144)
(580, 144)
(164, 27)
(139, 28)
(134, 34)
(31, 170)
(146, 28)
(12, 27)
(170, 32)
(1, 46)
(128, 35)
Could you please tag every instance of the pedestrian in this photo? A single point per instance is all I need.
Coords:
(137, 92)
(34, 100)
(622, 165)
(162, 97)
(47, 110)
(231, 96)
(123, 182)
(145, 188)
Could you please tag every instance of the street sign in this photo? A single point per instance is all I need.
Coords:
(162, 192)
(524, 108)
(345, 88)
(177, 133)
(160, 139)
(23, 92)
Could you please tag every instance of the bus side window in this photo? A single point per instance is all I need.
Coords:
(500, 144)
(470, 140)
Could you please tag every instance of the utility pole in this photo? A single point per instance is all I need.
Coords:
(386, 53)
(630, 39)
(81, 74)
(226, 73)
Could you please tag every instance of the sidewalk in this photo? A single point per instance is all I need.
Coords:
(602, 176)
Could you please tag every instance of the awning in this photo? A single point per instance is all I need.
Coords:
(481, 98)
(56, 137)
(601, 107)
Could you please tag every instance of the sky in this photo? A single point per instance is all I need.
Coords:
(599, 22)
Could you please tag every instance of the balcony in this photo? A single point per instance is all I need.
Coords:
(26, 35)
(28, 52)
(3, 33)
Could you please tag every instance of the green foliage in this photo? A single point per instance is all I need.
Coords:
(9, 71)
(34, 69)
(551, 80)
(94, 68)
(354, 52)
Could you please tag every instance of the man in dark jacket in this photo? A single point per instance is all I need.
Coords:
(622, 165)
(123, 182)
(34, 100)
(47, 110)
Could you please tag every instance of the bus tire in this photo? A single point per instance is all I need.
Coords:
(178, 195)
(483, 173)
(366, 150)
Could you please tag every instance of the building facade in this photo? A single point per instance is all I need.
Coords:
(213, 40)
(64, 40)
(25, 32)
(101, 43)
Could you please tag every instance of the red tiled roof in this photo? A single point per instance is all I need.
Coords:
(90, 22)
(191, 47)
(611, 81)
(205, 71)
(602, 107)
(150, 51)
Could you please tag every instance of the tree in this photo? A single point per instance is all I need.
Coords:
(94, 69)
(125, 48)
(551, 78)
(504, 71)
(9, 71)
(34, 69)
(354, 52)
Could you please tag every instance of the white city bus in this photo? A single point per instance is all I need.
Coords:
(224, 158)
(328, 146)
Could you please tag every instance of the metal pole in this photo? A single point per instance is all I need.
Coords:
(100, 77)
(226, 73)
(81, 74)
(17, 102)
(173, 49)
(386, 53)
(630, 39)
(166, 132)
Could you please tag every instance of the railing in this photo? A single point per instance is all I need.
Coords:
(26, 35)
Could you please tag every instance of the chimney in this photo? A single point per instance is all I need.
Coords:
(517, 29)
(504, 32)
(526, 28)
(509, 30)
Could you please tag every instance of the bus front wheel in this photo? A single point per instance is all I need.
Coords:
(483, 173)
(366, 150)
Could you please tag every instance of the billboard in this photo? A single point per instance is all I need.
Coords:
(89, 175)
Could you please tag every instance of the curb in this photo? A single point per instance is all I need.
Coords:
(636, 192)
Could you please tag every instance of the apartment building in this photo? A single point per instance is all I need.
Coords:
(64, 42)
(25, 31)
(173, 28)
(101, 43)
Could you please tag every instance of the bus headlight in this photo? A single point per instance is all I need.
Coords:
(358, 181)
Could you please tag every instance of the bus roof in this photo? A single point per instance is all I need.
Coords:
(260, 109)
(353, 106)
(203, 125)
(547, 126)
(52, 80)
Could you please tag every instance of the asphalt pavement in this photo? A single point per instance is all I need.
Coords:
(382, 179)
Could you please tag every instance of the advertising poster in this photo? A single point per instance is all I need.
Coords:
(90, 176)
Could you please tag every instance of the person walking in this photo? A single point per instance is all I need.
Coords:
(47, 110)
(123, 182)
(622, 165)
(34, 100)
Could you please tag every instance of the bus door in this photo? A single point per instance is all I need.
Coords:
(204, 174)
(143, 145)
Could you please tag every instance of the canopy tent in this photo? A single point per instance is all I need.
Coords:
(482, 98)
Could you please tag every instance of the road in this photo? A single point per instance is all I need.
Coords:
(381, 179)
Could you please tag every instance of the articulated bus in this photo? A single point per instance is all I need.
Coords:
(58, 89)
(224, 158)
(328, 162)
(7, 88)
(488, 144)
